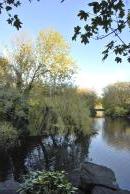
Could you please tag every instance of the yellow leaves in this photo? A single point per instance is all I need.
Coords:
(46, 59)
(50, 44)
(62, 62)
(3, 68)
(24, 55)
(51, 40)
(54, 53)
(3, 64)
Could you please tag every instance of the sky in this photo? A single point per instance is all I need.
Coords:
(37, 16)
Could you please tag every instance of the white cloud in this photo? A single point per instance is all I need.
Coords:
(98, 80)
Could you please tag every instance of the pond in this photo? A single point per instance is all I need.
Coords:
(109, 147)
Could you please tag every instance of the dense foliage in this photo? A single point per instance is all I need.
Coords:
(46, 182)
(116, 99)
(8, 135)
(14, 109)
(90, 98)
(64, 111)
(37, 95)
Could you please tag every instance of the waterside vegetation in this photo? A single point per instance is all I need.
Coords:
(37, 92)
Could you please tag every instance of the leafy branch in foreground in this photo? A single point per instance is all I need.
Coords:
(46, 182)
(108, 18)
(8, 6)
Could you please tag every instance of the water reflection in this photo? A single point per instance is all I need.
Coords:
(116, 132)
(4, 166)
(111, 147)
(54, 152)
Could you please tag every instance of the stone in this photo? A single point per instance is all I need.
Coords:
(74, 177)
(95, 175)
(103, 190)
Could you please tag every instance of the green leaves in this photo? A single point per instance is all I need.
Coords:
(15, 21)
(116, 98)
(76, 32)
(8, 135)
(120, 50)
(8, 6)
(128, 18)
(118, 59)
(108, 18)
(52, 182)
(96, 6)
(83, 15)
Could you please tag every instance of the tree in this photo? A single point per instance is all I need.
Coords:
(8, 135)
(107, 18)
(27, 64)
(4, 73)
(116, 99)
(54, 52)
(45, 60)
(91, 99)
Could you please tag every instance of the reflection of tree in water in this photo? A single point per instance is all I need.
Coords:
(54, 152)
(60, 152)
(5, 167)
(116, 132)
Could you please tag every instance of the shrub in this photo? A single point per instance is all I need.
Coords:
(8, 135)
(14, 109)
(40, 182)
(60, 113)
(116, 99)
(120, 111)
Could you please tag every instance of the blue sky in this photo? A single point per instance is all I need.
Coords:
(37, 16)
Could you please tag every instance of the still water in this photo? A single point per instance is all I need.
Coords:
(109, 147)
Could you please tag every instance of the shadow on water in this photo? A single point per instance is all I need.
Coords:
(54, 152)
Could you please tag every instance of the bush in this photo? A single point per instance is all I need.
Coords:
(116, 99)
(65, 112)
(8, 135)
(46, 182)
(14, 109)
(116, 111)
(120, 111)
